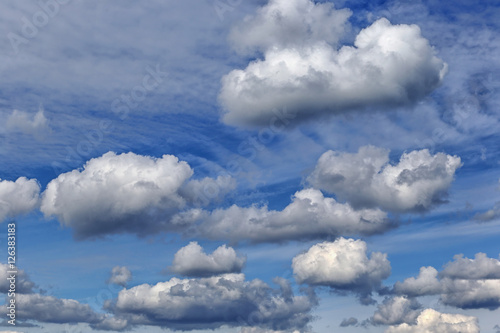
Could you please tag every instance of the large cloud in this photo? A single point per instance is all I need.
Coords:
(122, 193)
(463, 283)
(367, 179)
(191, 260)
(436, 322)
(342, 265)
(303, 70)
(19, 197)
(310, 215)
(209, 303)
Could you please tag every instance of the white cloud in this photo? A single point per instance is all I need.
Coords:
(366, 178)
(191, 260)
(120, 193)
(303, 69)
(120, 276)
(436, 322)
(426, 283)
(19, 197)
(481, 267)
(289, 23)
(310, 215)
(463, 283)
(342, 265)
(209, 303)
(396, 310)
(22, 121)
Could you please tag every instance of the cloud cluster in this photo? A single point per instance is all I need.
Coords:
(432, 321)
(417, 182)
(396, 310)
(192, 261)
(463, 283)
(303, 69)
(18, 197)
(209, 303)
(342, 265)
(120, 276)
(120, 193)
(310, 215)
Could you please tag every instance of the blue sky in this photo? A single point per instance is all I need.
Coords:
(251, 165)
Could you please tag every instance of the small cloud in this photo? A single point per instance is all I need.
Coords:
(349, 322)
(21, 121)
(120, 276)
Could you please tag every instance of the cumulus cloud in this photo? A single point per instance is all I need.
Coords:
(396, 310)
(481, 267)
(366, 178)
(120, 276)
(426, 283)
(120, 193)
(432, 321)
(19, 197)
(23, 283)
(23, 122)
(310, 215)
(209, 303)
(342, 265)
(192, 261)
(303, 69)
(463, 283)
(49, 309)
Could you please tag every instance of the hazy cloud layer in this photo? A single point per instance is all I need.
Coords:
(310, 215)
(432, 321)
(120, 193)
(417, 182)
(18, 197)
(342, 265)
(209, 303)
(191, 260)
(303, 69)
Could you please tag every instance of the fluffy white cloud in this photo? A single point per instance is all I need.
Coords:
(209, 303)
(426, 283)
(22, 121)
(303, 69)
(366, 178)
(19, 197)
(342, 265)
(288, 23)
(396, 310)
(463, 283)
(120, 276)
(432, 321)
(191, 260)
(481, 267)
(310, 215)
(120, 193)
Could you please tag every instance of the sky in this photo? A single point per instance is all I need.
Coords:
(250, 166)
